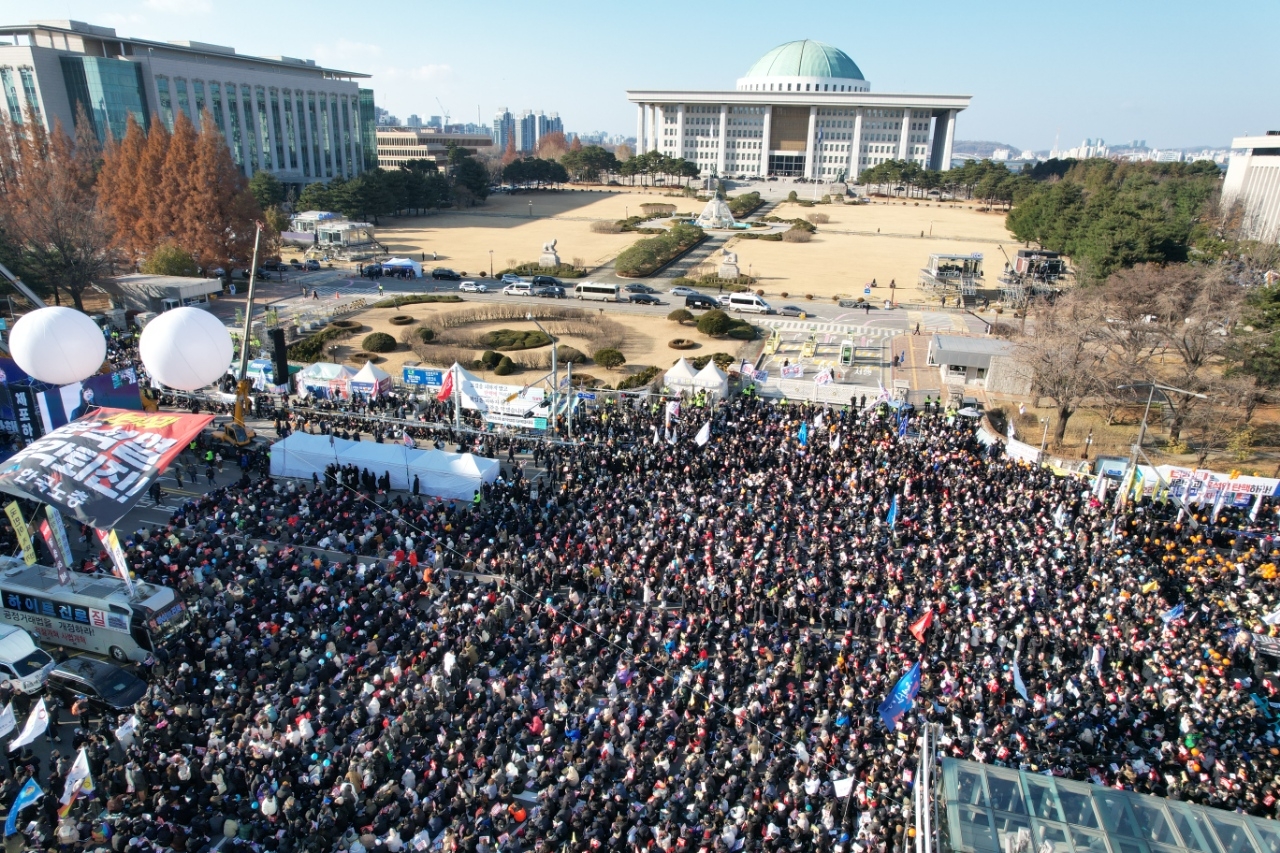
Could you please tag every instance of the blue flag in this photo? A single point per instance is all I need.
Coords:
(900, 700)
(803, 437)
(902, 426)
(1176, 613)
(893, 513)
(29, 794)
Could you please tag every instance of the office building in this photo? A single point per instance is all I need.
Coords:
(803, 110)
(523, 130)
(397, 145)
(436, 122)
(291, 117)
(414, 121)
(1253, 183)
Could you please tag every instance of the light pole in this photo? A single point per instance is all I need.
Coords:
(1044, 438)
(491, 263)
(1088, 442)
(555, 373)
(530, 210)
(1142, 433)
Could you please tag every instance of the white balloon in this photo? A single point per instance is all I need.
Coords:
(57, 345)
(186, 348)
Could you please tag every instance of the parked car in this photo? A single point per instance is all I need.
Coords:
(443, 274)
(511, 278)
(105, 685)
(296, 264)
(474, 287)
(312, 265)
(276, 266)
(700, 300)
(645, 299)
(23, 663)
(639, 288)
(723, 299)
(546, 281)
(792, 311)
(684, 291)
(550, 291)
(519, 288)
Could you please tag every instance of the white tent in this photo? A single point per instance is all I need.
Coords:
(453, 476)
(681, 377)
(371, 380)
(325, 379)
(393, 264)
(712, 378)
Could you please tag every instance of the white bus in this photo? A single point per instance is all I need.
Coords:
(591, 290)
(90, 612)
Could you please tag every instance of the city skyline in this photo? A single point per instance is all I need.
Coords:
(1121, 72)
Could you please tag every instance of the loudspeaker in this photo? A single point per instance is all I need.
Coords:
(279, 355)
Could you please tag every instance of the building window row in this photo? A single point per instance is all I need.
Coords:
(808, 87)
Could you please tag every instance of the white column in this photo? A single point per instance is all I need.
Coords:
(765, 131)
(723, 156)
(639, 128)
(904, 133)
(949, 140)
(680, 108)
(653, 128)
(855, 149)
(810, 166)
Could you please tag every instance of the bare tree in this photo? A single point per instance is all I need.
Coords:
(1065, 356)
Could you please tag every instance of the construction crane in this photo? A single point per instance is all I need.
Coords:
(446, 114)
(236, 432)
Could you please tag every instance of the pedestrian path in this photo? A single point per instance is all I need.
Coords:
(785, 326)
(937, 321)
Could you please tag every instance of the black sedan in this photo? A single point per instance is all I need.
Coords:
(551, 291)
(639, 288)
(645, 299)
(105, 685)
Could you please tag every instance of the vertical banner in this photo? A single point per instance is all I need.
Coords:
(59, 559)
(20, 530)
(24, 410)
(111, 542)
(60, 534)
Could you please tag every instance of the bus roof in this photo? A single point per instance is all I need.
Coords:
(106, 588)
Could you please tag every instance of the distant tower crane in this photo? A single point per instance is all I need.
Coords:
(446, 114)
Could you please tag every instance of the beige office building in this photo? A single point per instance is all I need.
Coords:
(397, 145)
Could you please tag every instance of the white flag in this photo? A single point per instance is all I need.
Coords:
(835, 442)
(1009, 429)
(36, 725)
(1017, 682)
(704, 434)
(802, 753)
(78, 779)
(819, 421)
(8, 722)
(844, 787)
(1272, 618)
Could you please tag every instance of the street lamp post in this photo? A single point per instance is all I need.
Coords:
(530, 210)
(491, 263)
(555, 373)
(1136, 449)
(1088, 442)
(1044, 439)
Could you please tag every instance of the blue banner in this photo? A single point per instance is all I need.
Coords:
(893, 513)
(29, 794)
(803, 437)
(900, 700)
(422, 376)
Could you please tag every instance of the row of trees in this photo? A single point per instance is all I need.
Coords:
(990, 182)
(74, 211)
(534, 170)
(648, 167)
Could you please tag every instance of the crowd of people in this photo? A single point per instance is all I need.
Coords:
(656, 644)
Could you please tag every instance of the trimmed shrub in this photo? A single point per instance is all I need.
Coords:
(425, 335)
(646, 256)
(312, 347)
(609, 358)
(747, 235)
(346, 325)
(532, 268)
(818, 218)
(571, 355)
(681, 343)
(683, 281)
(378, 342)
(796, 236)
(742, 205)
(772, 238)
(606, 228)
(715, 323)
(639, 380)
(401, 320)
(505, 367)
(792, 196)
(490, 359)
(681, 316)
(416, 299)
(742, 333)
(514, 339)
(722, 359)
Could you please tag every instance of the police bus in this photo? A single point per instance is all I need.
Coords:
(93, 613)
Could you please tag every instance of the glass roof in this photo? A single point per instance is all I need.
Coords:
(999, 810)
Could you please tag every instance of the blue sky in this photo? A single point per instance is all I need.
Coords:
(1174, 73)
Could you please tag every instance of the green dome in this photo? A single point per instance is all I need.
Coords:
(805, 58)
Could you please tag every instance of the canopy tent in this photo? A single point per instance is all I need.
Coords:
(371, 381)
(712, 378)
(452, 476)
(394, 264)
(324, 379)
(681, 377)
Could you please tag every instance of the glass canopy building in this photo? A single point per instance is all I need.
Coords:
(804, 109)
(987, 809)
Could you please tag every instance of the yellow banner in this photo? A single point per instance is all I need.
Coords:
(21, 530)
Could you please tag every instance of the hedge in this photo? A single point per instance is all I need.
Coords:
(532, 268)
(378, 342)
(311, 348)
(514, 339)
(415, 299)
(742, 205)
(722, 359)
(505, 367)
(742, 333)
(645, 257)
(490, 359)
(639, 380)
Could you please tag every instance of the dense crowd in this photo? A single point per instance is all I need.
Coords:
(657, 645)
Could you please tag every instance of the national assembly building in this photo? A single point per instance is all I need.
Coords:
(803, 110)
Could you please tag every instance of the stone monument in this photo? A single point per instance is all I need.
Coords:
(729, 265)
(549, 259)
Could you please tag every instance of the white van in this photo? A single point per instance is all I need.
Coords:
(22, 662)
(748, 302)
(519, 288)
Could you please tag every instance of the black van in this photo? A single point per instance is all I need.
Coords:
(700, 301)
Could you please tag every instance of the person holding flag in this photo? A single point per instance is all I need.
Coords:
(901, 698)
(37, 723)
(79, 784)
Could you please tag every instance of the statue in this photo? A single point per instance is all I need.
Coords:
(729, 265)
(549, 259)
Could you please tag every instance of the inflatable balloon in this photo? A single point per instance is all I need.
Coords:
(186, 348)
(58, 345)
